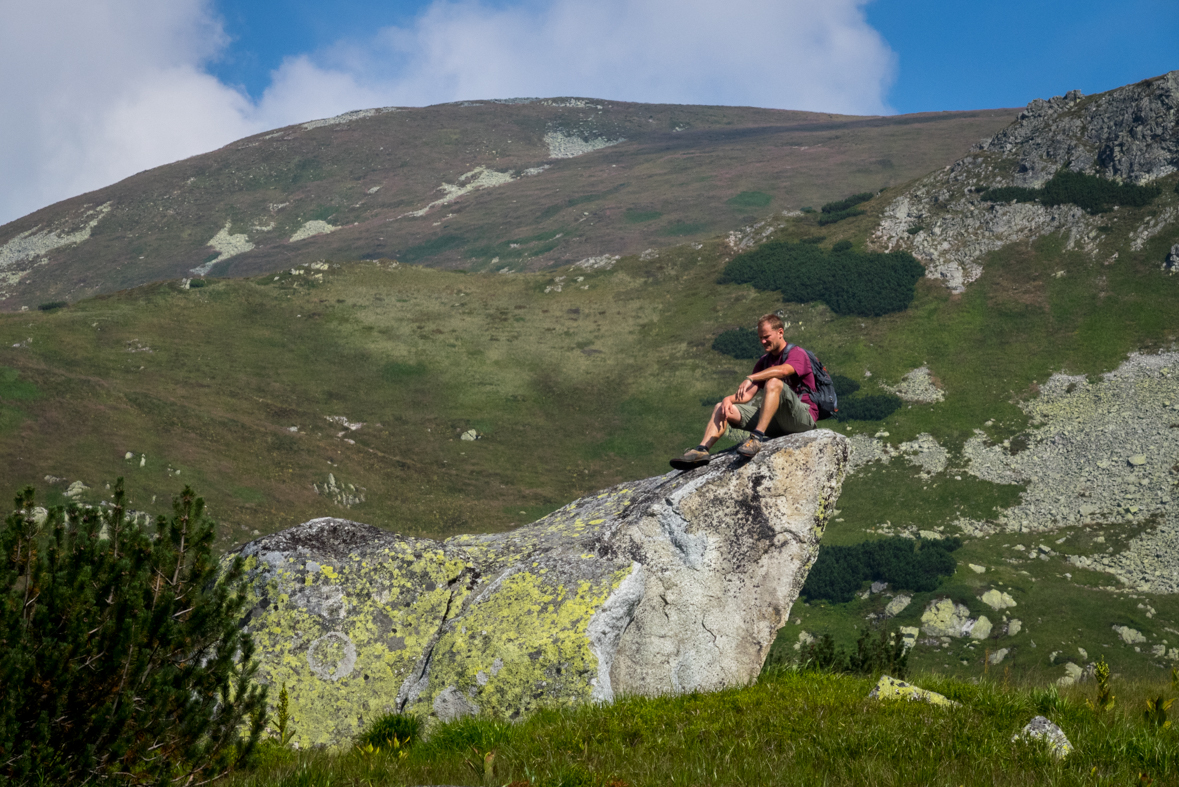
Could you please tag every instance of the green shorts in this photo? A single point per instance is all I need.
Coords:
(793, 415)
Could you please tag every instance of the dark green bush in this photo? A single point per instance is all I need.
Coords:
(52, 305)
(844, 386)
(868, 408)
(849, 282)
(847, 203)
(914, 229)
(1089, 192)
(831, 218)
(406, 729)
(841, 246)
(738, 343)
(121, 651)
(196, 283)
(874, 655)
(903, 563)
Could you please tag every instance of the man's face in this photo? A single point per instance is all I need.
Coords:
(772, 341)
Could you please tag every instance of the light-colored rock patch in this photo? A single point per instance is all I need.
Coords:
(865, 450)
(342, 494)
(748, 237)
(1040, 729)
(602, 262)
(897, 605)
(311, 229)
(1072, 673)
(892, 689)
(1151, 227)
(1100, 453)
(923, 452)
(18, 254)
(562, 145)
(1129, 636)
(926, 453)
(943, 618)
(918, 386)
(959, 232)
(347, 117)
(981, 628)
(478, 178)
(227, 246)
(997, 599)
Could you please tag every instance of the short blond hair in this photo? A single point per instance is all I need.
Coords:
(773, 320)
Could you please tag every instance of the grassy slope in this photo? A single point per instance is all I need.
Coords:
(675, 177)
(787, 729)
(571, 390)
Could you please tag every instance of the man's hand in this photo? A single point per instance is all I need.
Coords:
(745, 391)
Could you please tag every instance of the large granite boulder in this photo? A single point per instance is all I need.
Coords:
(671, 584)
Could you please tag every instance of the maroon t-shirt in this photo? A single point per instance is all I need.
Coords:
(802, 382)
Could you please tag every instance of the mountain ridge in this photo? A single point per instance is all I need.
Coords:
(471, 185)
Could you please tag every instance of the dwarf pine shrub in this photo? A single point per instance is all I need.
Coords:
(738, 343)
(868, 284)
(876, 407)
(905, 564)
(844, 386)
(1089, 192)
(839, 206)
(831, 218)
(121, 655)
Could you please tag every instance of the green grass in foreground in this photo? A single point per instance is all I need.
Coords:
(788, 728)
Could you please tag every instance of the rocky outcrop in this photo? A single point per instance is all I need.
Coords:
(1130, 134)
(1102, 452)
(671, 584)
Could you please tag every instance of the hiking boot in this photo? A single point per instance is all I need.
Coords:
(749, 448)
(693, 457)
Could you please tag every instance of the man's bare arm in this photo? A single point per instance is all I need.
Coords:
(780, 372)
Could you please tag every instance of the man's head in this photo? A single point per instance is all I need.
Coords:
(771, 333)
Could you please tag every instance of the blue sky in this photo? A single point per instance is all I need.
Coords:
(96, 90)
(950, 56)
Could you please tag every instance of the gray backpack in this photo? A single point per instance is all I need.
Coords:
(824, 394)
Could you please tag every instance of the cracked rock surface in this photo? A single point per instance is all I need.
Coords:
(669, 584)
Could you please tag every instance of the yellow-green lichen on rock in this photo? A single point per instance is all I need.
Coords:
(673, 583)
(892, 689)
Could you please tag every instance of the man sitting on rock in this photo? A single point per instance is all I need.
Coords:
(784, 379)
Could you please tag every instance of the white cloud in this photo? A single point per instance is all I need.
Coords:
(796, 54)
(95, 91)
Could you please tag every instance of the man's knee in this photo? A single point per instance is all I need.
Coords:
(773, 384)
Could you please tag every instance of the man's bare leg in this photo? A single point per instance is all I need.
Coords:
(722, 415)
(769, 406)
(772, 396)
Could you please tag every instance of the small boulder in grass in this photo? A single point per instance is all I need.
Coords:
(1040, 728)
(892, 689)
